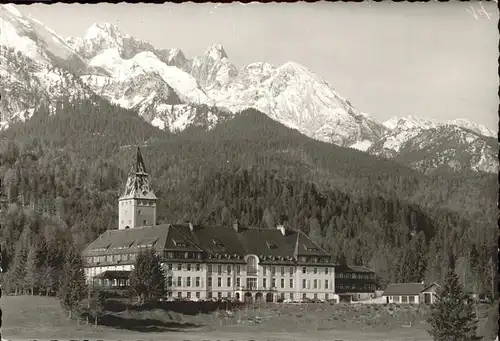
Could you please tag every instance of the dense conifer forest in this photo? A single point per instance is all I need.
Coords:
(63, 172)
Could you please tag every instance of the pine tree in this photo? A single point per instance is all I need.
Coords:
(95, 302)
(31, 277)
(452, 316)
(147, 279)
(72, 287)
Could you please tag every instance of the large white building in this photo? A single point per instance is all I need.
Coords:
(210, 262)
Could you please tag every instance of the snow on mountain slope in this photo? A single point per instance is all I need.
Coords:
(449, 148)
(174, 93)
(296, 97)
(34, 67)
(35, 40)
(475, 127)
(411, 122)
(123, 73)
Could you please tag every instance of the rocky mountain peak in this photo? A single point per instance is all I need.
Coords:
(216, 52)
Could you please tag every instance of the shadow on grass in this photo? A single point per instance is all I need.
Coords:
(143, 325)
(181, 307)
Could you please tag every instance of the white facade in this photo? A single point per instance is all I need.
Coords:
(134, 213)
(403, 299)
(221, 280)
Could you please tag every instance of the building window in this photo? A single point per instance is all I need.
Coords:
(282, 283)
(210, 295)
(179, 267)
(219, 282)
(179, 294)
(326, 271)
(179, 281)
(238, 269)
(264, 282)
(169, 267)
(304, 270)
(291, 270)
(304, 284)
(304, 296)
(274, 283)
(252, 266)
(228, 295)
(145, 222)
(291, 296)
(189, 295)
(326, 284)
(291, 283)
(219, 269)
(139, 212)
(229, 281)
(229, 269)
(209, 281)
(219, 295)
(264, 269)
(315, 296)
(315, 284)
(188, 281)
(326, 297)
(198, 267)
(282, 271)
(315, 271)
(209, 268)
(412, 299)
(273, 270)
(169, 281)
(404, 299)
(197, 281)
(197, 295)
(238, 282)
(188, 267)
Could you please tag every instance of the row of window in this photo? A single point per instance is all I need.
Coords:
(220, 295)
(354, 276)
(356, 287)
(402, 299)
(227, 269)
(251, 282)
(138, 202)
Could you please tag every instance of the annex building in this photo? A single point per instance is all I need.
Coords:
(203, 262)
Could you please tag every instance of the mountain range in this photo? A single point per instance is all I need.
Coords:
(173, 92)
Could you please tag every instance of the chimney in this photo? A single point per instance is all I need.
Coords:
(281, 228)
(236, 226)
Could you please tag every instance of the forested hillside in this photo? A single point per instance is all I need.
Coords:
(62, 175)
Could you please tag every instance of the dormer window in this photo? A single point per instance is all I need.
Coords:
(311, 248)
(271, 245)
(179, 243)
(217, 242)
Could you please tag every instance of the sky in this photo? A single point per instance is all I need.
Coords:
(436, 60)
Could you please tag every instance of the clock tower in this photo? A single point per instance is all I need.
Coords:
(137, 204)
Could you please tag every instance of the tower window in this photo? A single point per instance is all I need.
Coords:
(145, 222)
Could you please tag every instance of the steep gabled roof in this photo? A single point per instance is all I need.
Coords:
(266, 242)
(129, 240)
(306, 247)
(397, 289)
(218, 240)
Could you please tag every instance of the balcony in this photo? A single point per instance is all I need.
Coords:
(252, 271)
(255, 288)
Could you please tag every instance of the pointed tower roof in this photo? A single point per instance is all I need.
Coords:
(138, 185)
(138, 167)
